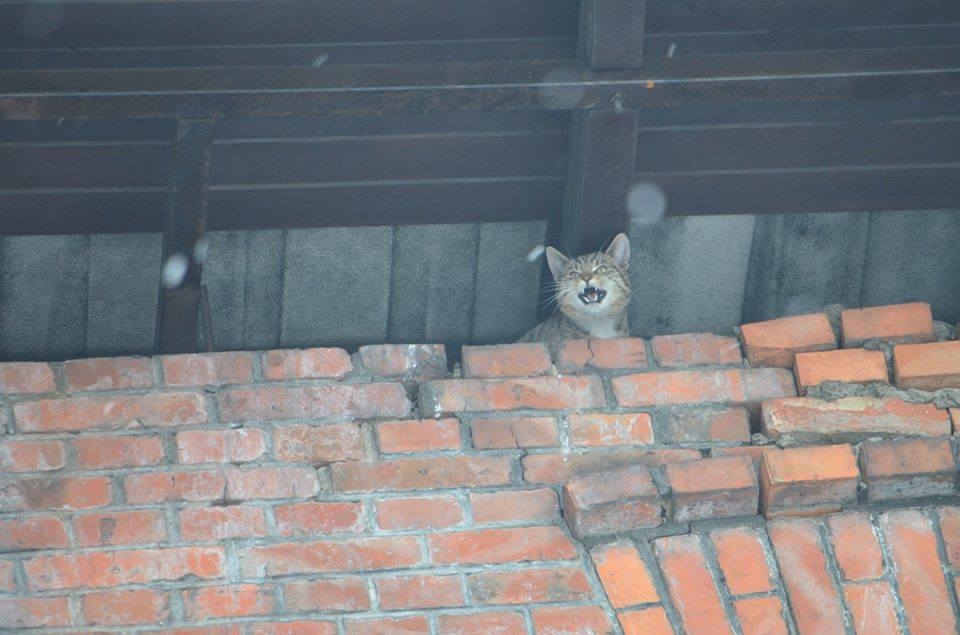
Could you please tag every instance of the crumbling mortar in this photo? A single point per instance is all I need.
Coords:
(586, 564)
(934, 517)
(825, 538)
(890, 572)
(834, 390)
(779, 587)
(649, 558)
(719, 581)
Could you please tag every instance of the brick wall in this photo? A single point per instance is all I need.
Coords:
(310, 491)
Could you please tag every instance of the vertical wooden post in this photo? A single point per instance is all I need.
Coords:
(611, 33)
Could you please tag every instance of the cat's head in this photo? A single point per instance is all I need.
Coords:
(593, 285)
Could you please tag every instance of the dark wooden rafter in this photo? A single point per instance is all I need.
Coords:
(611, 33)
(186, 218)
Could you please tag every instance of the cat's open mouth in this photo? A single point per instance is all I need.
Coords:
(592, 295)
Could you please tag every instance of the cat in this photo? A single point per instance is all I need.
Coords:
(592, 295)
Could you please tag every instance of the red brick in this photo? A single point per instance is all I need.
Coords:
(204, 630)
(420, 592)
(423, 435)
(296, 627)
(805, 420)
(752, 452)
(613, 501)
(420, 362)
(742, 560)
(355, 554)
(222, 523)
(26, 378)
(54, 493)
(955, 420)
(560, 620)
(435, 512)
(635, 428)
(491, 623)
(733, 386)
(908, 468)
(761, 616)
(923, 592)
(855, 544)
(416, 625)
(119, 528)
(538, 393)
(271, 482)
(123, 608)
(31, 456)
(327, 443)
(207, 369)
(626, 353)
(693, 349)
(105, 452)
(159, 487)
(506, 360)
(904, 323)
(803, 567)
(855, 365)
(704, 426)
(310, 363)
(347, 594)
(776, 342)
(220, 446)
(414, 474)
(336, 401)
(557, 468)
(30, 612)
(121, 411)
(7, 583)
(690, 586)
(514, 432)
(873, 608)
(113, 568)
(41, 532)
(713, 488)
(652, 621)
(515, 506)
(624, 575)
(529, 586)
(809, 480)
(227, 601)
(108, 373)
(312, 518)
(500, 546)
(927, 366)
(950, 526)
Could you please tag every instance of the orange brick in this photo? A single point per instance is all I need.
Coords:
(17, 613)
(805, 420)
(514, 432)
(236, 600)
(624, 575)
(775, 342)
(296, 627)
(158, 487)
(122, 411)
(634, 428)
(310, 363)
(803, 568)
(334, 401)
(429, 473)
(742, 560)
(904, 323)
(873, 608)
(537, 393)
(613, 501)
(761, 616)
(420, 362)
(7, 583)
(652, 621)
(26, 378)
(500, 546)
(529, 586)
(908, 468)
(435, 512)
(855, 365)
(416, 625)
(732, 386)
(913, 545)
(506, 360)
(317, 518)
(955, 420)
(271, 482)
(927, 366)
(560, 620)
(713, 488)
(121, 608)
(120, 528)
(693, 349)
(222, 523)
(207, 369)
(31, 456)
(425, 435)
(578, 356)
(855, 544)
(515, 506)
(54, 493)
(808, 480)
(690, 585)
(220, 446)
(704, 426)
(329, 443)
(557, 467)
(41, 532)
(103, 452)
(490, 623)
(319, 556)
(108, 373)
(345, 594)
(950, 527)
(420, 592)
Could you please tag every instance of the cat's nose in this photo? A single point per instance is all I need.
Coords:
(586, 276)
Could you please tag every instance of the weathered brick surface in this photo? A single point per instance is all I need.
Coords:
(740, 386)
(86, 413)
(577, 356)
(705, 426)
(873, 608)
(125, 608)
(712, 488)
(514, 432)
(420, 592)
(142, 527)
(30, 612)
(424, 435)
(809, 480)
(612, 501)
(693, 349)
(354, 554)
(104, 452)
(25, 378)
(227, 601)
(507, 360)
(345, 594)
(108, 373)
(311, 363)
(353, 401)
(427, 512)
(527, 586)
(761, 616)
(222, 523)
(558, 468)
(220, 446)
(855, 545)
(54, 493)
(22, 534)
(31, 456)
(652, 621)
(908, 468)
(605, 429)
(538, 393)
(433, 473)
(207, 369)
(319, 518)
(690, 585)
(927, 366)
(856, 365)
(742, 560)
(500, 546)
(405, 361)
(625, 576)
(905, 323)
(566, 619)
(776, 342)
(515, 506)
(493, 622)
(328, 443)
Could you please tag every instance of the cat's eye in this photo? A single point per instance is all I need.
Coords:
(600, 269)
(572, 275)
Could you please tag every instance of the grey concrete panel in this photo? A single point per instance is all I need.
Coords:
(802, 262)
(434, 270)
(915, 256)
(687, 273)
(43, 296)
(123, 289)
(336, 286)
(507, 283)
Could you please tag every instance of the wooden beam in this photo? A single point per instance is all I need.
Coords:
(611, 33)
(186, 219)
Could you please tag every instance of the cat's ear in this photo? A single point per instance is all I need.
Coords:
(557, 262)
(619, 250)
